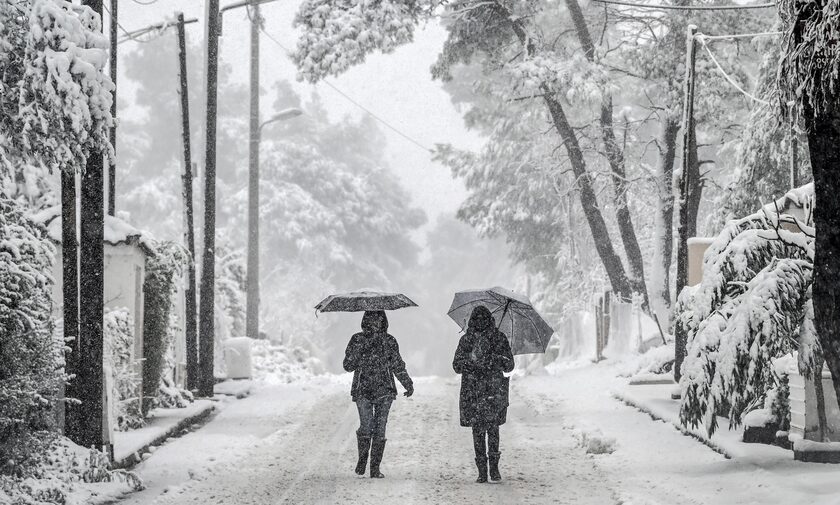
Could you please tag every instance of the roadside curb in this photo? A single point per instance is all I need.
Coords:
(136, 456)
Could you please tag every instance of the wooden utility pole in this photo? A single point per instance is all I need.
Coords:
(112, 66)
(208, 264)
(252, 302)
(89, 378)
(686, 186)
(70, 294)
(189, 234)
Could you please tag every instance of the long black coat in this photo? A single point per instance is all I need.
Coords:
(373, 356)
(481, 358)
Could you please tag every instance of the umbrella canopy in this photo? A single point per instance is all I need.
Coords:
(515, 316)
(364, 300)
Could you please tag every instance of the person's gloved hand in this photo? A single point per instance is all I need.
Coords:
(409, 391)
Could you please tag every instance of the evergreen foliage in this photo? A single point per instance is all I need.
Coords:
(163, 270)
(750, 308)
(30, 359)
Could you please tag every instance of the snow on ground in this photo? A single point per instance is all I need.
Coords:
(567, 440)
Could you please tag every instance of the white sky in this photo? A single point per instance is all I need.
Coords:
(396, 87)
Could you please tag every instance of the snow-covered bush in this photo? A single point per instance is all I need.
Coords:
(30, 360)
(53, 472)
(277, 363)
(169, 395)
(125, 411)
(751, 307)
(163, 268)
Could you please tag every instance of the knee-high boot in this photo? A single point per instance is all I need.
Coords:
(377, 449)
(493, 453)
(480, 454)
(364, 449)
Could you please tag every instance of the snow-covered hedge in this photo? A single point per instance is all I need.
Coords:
(30, 360)
(121, 364)
(163, 268)
(752, 306)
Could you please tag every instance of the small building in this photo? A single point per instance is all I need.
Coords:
(125, 251)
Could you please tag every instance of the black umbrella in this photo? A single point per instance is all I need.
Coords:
(515, 316)
(364, 300)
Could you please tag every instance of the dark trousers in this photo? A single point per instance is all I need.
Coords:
(491, 433)
(373, 417)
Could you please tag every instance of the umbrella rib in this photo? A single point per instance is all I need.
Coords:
(471, 302)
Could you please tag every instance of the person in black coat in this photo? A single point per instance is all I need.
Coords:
(482, 357)
(374, 358)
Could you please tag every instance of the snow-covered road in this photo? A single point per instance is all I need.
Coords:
(307, 454)
(295, 444)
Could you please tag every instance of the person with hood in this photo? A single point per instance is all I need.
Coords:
(373, 356)
(482, 357)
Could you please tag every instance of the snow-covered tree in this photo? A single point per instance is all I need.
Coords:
(751, 307)
(55, 104)
(537, 65)
(30, 359)
(809, 77)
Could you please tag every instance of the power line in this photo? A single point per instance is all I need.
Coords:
(688, 7)
(726, 76)
(354, 102)
(738, 36)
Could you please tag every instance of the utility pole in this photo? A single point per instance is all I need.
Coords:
(208, 263)
(252, 311)
(189, 235)
(70, 293)
(112, 66)
(686, 185)
(89, 367)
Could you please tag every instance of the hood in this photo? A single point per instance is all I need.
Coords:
(375, 321)
(481, 319)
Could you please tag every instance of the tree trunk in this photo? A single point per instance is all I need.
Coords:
(206, 330)
(665, 210)
(823, 139)
(615, 157)
(588, 199)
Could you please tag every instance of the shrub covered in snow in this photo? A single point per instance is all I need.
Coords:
(752, 306)
(54, 472)
(163, 268)
(30, 360)
(277, 363)
(125, 409)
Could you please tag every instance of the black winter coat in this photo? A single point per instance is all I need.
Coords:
(481, 359)
(374, 358)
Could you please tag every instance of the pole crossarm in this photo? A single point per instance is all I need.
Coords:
(157, 27)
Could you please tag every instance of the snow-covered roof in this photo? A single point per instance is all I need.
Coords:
(117, 231)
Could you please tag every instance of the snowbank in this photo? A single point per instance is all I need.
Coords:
(275, 363)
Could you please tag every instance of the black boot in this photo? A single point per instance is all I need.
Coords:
(377, 448)
(494, 466)
(481, 463)
(364, 449)
(480, 447)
